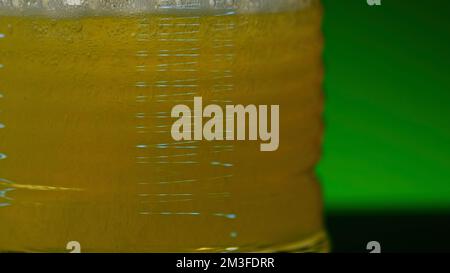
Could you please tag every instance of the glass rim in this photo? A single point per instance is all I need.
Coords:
(64, 8)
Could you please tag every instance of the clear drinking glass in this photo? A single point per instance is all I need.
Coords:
(88, 90)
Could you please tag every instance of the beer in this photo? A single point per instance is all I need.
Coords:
(85, 141)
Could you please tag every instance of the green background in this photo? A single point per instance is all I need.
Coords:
(387, 86)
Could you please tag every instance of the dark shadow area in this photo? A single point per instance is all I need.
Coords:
(396, 232)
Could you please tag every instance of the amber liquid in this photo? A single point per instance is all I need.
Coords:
(85, 143)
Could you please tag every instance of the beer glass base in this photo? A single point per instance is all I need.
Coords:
(317, 243)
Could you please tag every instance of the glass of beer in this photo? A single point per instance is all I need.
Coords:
(93, 150)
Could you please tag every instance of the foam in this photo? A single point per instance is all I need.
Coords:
(64, 8)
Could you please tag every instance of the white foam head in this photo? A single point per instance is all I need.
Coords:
(124, 7)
